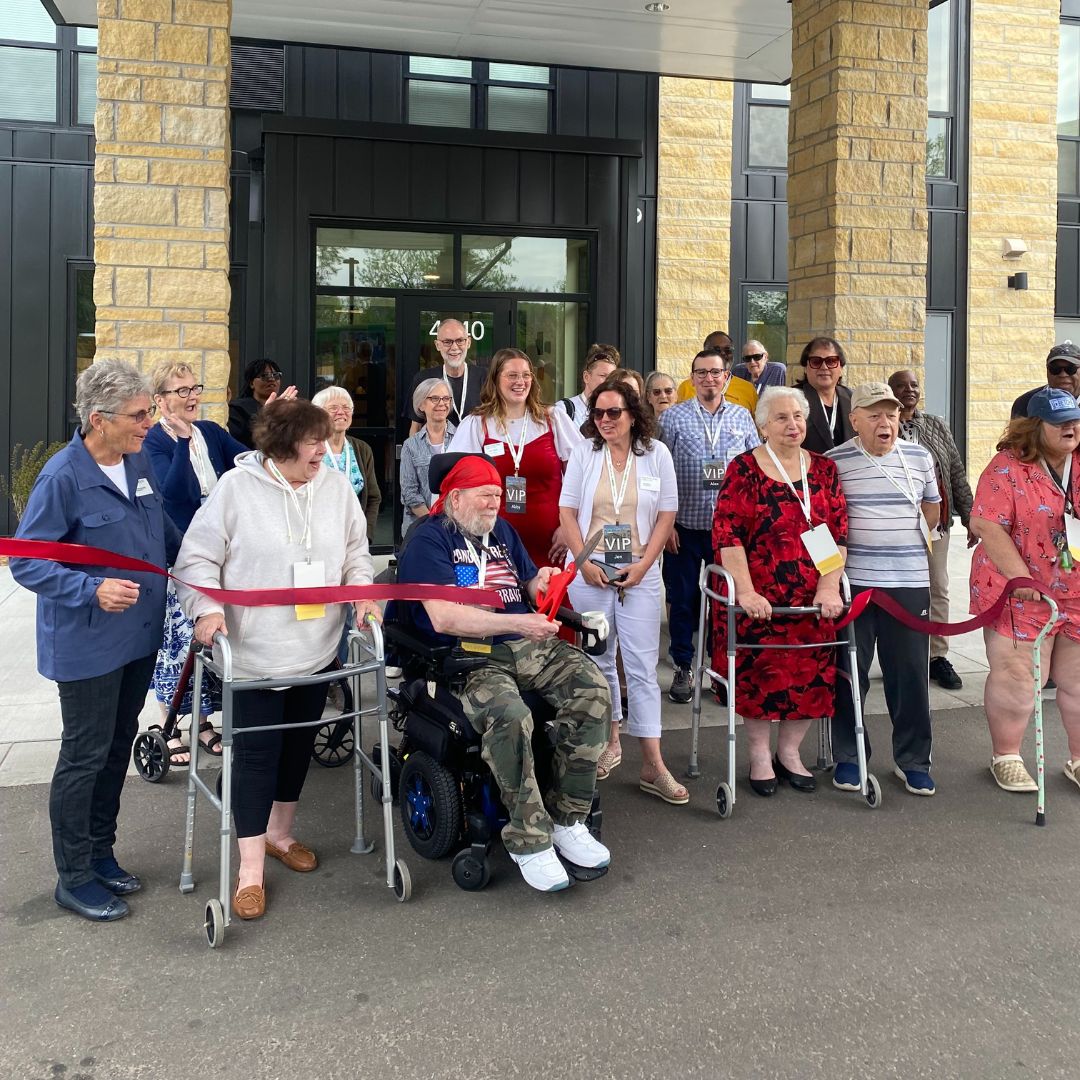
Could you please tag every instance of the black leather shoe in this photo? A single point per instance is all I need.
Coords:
(115, 878)
(764, 788)
(798, 782)
(109, 912)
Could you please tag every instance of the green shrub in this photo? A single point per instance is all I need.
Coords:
(25, 466)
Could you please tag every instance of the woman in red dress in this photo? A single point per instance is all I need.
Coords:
(771, 497)
(528, 443)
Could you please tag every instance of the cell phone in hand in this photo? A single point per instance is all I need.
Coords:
(612, 574)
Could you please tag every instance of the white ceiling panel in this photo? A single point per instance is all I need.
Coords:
(718, 39)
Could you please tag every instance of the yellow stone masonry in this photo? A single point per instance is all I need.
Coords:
(1013, 194)
(857, 216)
(161, 187)
(693, 218)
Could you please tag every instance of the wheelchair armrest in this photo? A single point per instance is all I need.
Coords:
(428, 654)
(590, 640)
(445, 664)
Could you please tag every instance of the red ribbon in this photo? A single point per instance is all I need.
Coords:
(927, 626)
(83, 554)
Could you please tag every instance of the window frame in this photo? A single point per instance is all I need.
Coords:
(76, 51)
(1073, 141)
(753, 103)
(57, 50)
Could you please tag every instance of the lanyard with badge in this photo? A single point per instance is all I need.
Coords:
(618, 550)
(1067, 541)
(818, 541)
(514, 502)
(306, 574)
(912, 494)
(460, 410)
(478, 645)
(832, 416)
(712, 467)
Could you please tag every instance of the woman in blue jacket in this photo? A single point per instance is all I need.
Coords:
(97, 634)
(188, 456)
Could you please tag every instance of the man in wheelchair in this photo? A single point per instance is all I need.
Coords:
(464, 542)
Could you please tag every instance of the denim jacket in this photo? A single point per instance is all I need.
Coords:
(74, 502)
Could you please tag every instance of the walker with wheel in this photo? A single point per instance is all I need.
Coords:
(217, 914)
(725, 792)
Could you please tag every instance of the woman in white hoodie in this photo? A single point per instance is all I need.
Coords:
(276, 520)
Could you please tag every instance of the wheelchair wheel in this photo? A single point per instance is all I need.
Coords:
(430, 805)
(151, 754)
(470, 872)
(335, 744)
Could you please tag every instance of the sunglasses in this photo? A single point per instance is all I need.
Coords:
(817, 362)
(1063, 369)
(754, 356)
(611, 414)
(269, 376)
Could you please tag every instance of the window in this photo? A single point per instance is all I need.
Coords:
(534, 264)
(765, 319)
(82, 319)
(373, 259)
(445, 92)
(767, 126)
(1068, 113)
(84, 78)
(939, 92)
(28, 62)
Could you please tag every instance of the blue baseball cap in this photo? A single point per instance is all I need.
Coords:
(1054, 406)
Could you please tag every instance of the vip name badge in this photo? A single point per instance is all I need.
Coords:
(617, 545)
(1072, 535)
(712, 473)
(515, 494)
(822, 549)
(309, 575)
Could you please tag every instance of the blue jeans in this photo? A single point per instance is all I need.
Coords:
(681, 580)
(101, 720)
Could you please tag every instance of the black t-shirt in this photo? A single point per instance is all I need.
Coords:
(436, 555)
(477, 375)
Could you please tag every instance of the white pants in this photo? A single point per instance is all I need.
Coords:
(635, 626)
(939, 593)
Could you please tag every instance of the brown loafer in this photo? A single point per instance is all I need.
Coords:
(249, 902)
(298, 857)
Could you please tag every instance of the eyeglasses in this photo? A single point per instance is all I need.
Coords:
(514, 377)
(611, 414)
(754, 356)
(138, 417)
(436, 400)
(725, 350)
(448, 343)
(662, 391)
(709, 373)
(269, 376)
(817, 362)
(1063, 369)
(185, 391)
(339, 410)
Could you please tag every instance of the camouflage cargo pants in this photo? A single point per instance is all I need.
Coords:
(568, 680)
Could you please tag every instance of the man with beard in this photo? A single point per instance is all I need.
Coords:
(464, 542)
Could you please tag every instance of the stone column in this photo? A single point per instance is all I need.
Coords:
(161, 186)
(693, 218)
(857, 215)
(1012, 194)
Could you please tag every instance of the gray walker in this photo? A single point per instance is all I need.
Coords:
(725, 793)
(218, 909)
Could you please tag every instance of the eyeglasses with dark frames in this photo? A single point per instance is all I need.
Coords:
(754, 356)
(709, 373)
(439, 399)
(269, 376)
(185, 391)
(817, 362)
(1063, 369)
(139, 417)
(611, 414)
(449, 343)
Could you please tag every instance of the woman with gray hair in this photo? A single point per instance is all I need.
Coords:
(660, 391)
(349, 455)
(432, 401)
(780, 531)
(98, 634)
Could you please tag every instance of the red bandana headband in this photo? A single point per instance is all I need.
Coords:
(470, 472)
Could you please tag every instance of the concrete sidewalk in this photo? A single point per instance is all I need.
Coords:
(30, 713)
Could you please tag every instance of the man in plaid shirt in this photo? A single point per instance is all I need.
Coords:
(703, 435)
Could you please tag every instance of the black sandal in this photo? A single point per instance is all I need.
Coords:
(212, 746)
(179, 756)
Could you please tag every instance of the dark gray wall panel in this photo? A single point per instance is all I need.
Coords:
(943, 258)
(536, 188)
(571, 93)
(353, 167)
(465, 199)
(430, 170)
(500, 187)
(1067, 298)
(354, 85)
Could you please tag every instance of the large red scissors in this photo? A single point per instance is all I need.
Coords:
(551, 599)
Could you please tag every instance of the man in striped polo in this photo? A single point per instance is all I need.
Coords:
(893, 505)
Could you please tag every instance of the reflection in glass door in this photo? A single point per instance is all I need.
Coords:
(356, 347)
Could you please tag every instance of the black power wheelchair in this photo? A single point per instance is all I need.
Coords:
(448, 799)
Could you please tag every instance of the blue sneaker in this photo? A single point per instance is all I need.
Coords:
(916, 781)
(846, 776)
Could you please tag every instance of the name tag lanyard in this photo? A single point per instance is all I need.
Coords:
(304, 513)
(711, 427)
(479, 558)
(912, 494)
(1062, 482)
(618, 496)
(832, 417)
(517, 452)
(464, 390)
(804, 498)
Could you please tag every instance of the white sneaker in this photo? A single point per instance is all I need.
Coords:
(542, 870)
(393, 672)
(579, 846)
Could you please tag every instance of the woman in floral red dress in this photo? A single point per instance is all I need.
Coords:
(760, 537)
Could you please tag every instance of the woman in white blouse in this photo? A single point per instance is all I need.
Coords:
(623, 481)
(528, 443)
